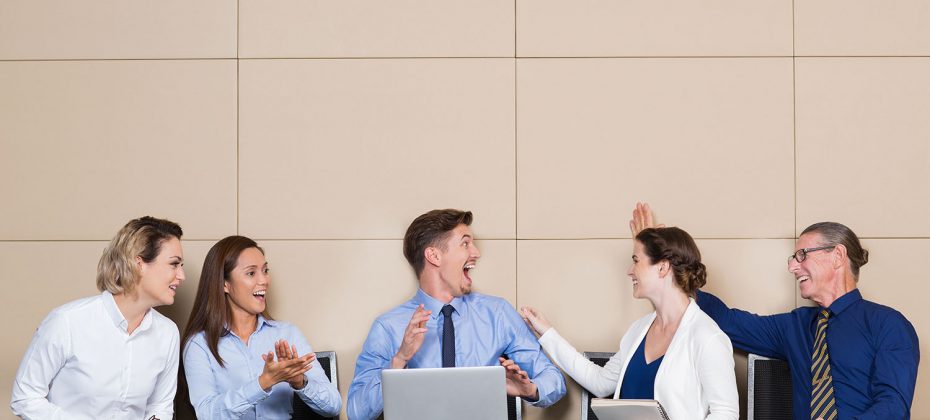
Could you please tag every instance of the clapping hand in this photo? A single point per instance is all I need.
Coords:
(288, 366)
(518, 381)
(288, 352)
(413, 338)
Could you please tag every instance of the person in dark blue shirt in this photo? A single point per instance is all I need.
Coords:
(864, 364)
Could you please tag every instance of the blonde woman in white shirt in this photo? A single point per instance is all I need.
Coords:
(111, 356)
(676, 354)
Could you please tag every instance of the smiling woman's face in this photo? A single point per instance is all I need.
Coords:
(249, 280)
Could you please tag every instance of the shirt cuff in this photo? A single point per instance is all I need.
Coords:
(254, 393)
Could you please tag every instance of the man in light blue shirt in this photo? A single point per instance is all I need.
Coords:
(417, 334)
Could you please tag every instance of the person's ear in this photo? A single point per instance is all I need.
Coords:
(840, 257)
(140, 264)
(432, 255)
(664, 268)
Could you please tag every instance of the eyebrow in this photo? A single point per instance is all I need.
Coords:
(466, 236)
(175, 256)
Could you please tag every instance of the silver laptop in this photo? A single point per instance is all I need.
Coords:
(463, 393)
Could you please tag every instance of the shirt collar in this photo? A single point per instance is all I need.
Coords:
(109, 305)
(845, 301)
(262, 321)
(432, 304)
(259, 324)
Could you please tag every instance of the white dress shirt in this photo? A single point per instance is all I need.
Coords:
(695, 381)
(82, 364)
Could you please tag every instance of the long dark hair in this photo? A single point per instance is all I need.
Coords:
(211, 312)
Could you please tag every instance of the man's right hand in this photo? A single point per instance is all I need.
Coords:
(413, 338)
(642, 218)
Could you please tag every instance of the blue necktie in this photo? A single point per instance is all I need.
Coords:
(448, 337)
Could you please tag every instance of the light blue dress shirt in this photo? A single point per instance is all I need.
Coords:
(233, 392)
(486, 327)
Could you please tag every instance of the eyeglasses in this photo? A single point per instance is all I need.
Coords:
(801, 254)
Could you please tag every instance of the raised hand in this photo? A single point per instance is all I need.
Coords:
(280, 370)
(518, 381)
(535, 319)
(642, 218)
(413, 338)
(287, 352)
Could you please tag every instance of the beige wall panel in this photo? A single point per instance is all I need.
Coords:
(334, 290)
(358, 28)
(583, 288)
(863, 155)
(102, 142)
(751, 275)
(708, 142)
(355, 149)
(58, 29)
(68, 272)
(861, 27)
(590, 28)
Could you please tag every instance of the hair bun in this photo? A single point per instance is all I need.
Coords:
(697, 276)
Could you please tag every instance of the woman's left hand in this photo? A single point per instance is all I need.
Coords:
(285, 351)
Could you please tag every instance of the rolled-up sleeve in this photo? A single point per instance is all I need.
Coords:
(161, 403)
(526, 352)
(365, 400)
(319, 393)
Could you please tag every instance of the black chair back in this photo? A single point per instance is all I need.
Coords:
(599, 358)
(327, 360)
(769, 391)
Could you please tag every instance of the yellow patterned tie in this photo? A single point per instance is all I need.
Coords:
(823, 404)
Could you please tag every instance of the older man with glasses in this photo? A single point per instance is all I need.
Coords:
(849, 358)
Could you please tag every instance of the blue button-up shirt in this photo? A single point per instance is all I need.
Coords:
(486, 327)
(233, 391)
(873, 352)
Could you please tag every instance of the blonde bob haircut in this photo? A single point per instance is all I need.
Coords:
(117, 271)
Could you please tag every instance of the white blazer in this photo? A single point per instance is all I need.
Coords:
(696, 379)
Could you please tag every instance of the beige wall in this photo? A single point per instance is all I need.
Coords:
(322, 128)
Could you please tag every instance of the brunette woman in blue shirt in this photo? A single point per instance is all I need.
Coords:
(237, 360)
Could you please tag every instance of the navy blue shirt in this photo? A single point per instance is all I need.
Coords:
(639, 380)
(873, 352)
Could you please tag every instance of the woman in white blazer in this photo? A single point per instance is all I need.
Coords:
(676, 354)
